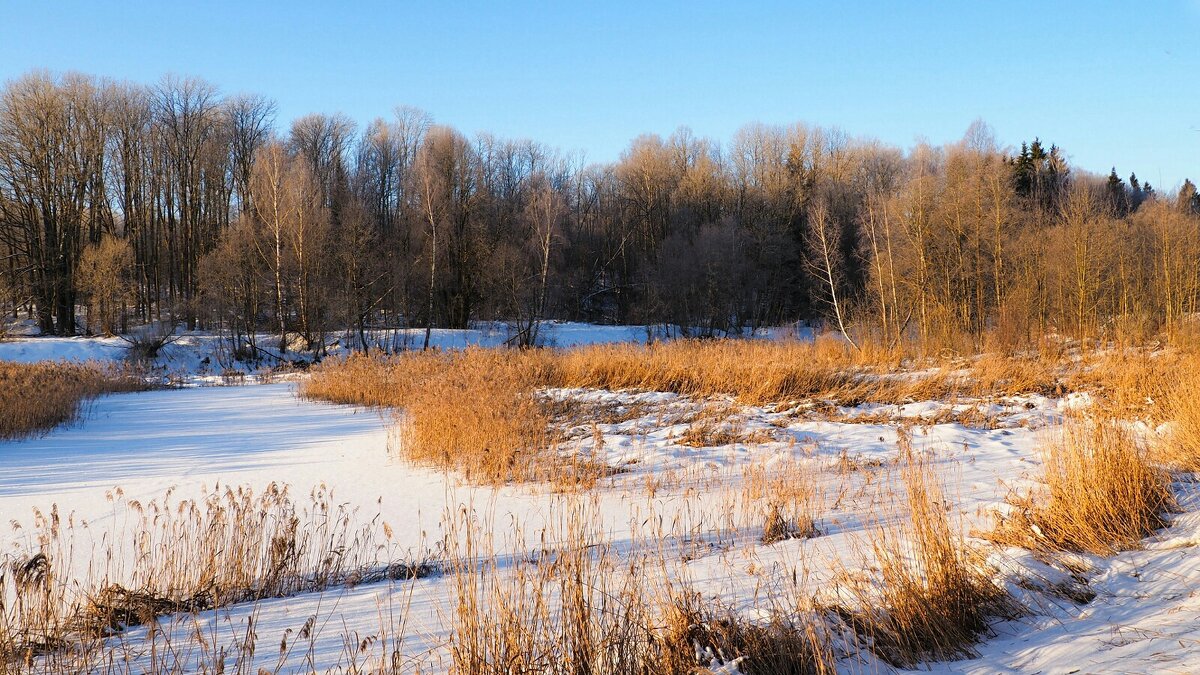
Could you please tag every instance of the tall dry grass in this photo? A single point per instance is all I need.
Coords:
(178, 556)
(230, 643)
(1101, 492)
(1180, 450)
(476, 411)
(704, 639)
(930, 597)
(788, 497)
(1131, 383)
(480, 415)
(585, 607)
(754, 372)
(482, 411)
(997, 374)
(573, 609)
(37, 397)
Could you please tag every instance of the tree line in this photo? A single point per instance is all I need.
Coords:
(125, 203)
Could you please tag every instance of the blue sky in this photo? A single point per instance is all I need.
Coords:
(1112, 83)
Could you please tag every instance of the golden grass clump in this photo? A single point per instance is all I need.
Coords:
(1000, 374)
(486, 412)
(37, 397)
(701, 639)
(480, 416)
(376, 380)
(576, 609)
(760, 372)
(1101, 493)
(476, 411)
(1181, 447)
(788, 498)
(718, 424)
(931, 598)
(754, 371)
(1128, 384)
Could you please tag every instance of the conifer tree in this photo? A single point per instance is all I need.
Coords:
(1118, 198)
(1188, 199)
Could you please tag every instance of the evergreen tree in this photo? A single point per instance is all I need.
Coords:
(1036, 152)
(1040, 174)
(1188, 199)
(1137, 194)
(1023, 172)
(1115, 193)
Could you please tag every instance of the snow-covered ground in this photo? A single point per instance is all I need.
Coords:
(201, 357)
(698, 499)
(190, 349)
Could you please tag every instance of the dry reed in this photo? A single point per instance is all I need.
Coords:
(37, 397)
(575, 609)
(930, 599)
(582, 607)
(231, 546)
(1181, 448)
(788, 498)
(483, 412)
(702, 639)
(474, 411)
(1100, 493)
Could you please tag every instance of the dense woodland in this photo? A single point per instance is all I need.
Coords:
(126, 204)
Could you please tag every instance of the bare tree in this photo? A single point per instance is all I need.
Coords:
(52, 152)
(324, 142)
(272, 209)
(447, 170)
(187, 110)
(307, 227)
(250, 118)
(825, 232)
(543, 215)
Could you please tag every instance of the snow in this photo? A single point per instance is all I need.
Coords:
(156, 439)
(1145, 618)
(33, 349)
(201, 356)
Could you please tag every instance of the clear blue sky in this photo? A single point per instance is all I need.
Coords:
(1111, 83)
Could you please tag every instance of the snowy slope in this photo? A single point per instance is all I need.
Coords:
(33, 349)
